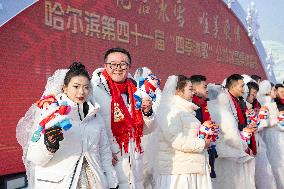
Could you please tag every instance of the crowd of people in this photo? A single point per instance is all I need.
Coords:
(86, 132)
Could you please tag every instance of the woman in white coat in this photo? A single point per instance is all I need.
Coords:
(182, 157)
(81, 156)
(273, 134)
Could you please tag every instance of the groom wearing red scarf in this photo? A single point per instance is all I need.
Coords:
(125, 125)
(235, 86)
(200, 98)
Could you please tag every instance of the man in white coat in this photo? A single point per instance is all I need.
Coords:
(125, 125)
(234, 167)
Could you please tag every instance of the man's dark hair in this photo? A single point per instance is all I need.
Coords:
(118, 49)
(255, 77)
(232, 79)
(253, 85)
(196, 79)
(279, 86)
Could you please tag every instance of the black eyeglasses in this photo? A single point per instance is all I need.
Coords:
(114, 65)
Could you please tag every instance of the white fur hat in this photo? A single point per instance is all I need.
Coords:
(264, 87)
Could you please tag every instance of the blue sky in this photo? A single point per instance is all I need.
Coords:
(270, 17)
(271, 32)
(8, 8)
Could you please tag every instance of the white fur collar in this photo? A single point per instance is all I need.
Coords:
(224, 99)
(93, 108)
(181, 102)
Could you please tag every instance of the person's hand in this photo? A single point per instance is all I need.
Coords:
(114, 159)
(252, 126)
(52, 136)
(146, 105)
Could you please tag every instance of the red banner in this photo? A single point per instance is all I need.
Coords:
(169, 37)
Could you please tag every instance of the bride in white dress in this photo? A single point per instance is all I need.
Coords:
(182, 161)
(273, 135)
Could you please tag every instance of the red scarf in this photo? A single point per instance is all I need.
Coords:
(239, 110)
(204, 107)
(256, 105)
(124, 125)
(242, 121)
(253, 145)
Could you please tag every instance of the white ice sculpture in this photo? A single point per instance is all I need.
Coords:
(230, 2)
(252, 23)
(269, 63)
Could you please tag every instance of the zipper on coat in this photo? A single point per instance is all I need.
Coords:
(80, 156)
(79, 112)
(129, 176)
(76, 164)
(74, 173)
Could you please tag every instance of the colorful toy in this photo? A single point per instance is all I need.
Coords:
(146, 88)
(210, 130)
(263, 116)
(251, 116)
(281, 118)
(53, 113)
(246, 134)
(207, 129)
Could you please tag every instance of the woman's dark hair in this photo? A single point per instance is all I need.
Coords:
(182, 81)
(118, 49)
(76, 69)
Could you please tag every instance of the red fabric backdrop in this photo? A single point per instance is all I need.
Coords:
(169, 37)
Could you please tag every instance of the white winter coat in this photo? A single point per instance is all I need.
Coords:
(264, 177)
(180, 149)
(273, 136)
(86, 139)
(235, 169)
(129, 167)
